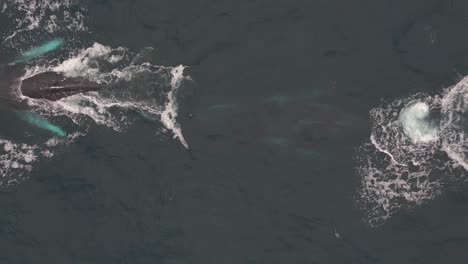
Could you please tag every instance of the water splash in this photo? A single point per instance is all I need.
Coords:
(416, 123)
(417, 147)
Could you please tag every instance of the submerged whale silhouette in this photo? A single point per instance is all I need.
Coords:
(291, 123)
(54, 86)
(40, 50)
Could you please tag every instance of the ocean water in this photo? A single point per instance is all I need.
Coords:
(235, 132)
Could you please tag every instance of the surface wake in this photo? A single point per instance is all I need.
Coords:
(417, 148)
(132, 86)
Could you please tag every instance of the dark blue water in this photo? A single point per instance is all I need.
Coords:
(274, 101)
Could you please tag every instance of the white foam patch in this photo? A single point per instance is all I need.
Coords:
(31, 17)
(169, 114)
(416, 123)
(17, 159)
(417, 146)
(86, 62)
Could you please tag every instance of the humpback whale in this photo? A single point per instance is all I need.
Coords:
(54, 86)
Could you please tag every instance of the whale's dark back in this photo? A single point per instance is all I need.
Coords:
(55, 86)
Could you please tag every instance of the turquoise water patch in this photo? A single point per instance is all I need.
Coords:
(223, 107)
(277, 141)
(40, 122)
(40, 50)
(278, 99)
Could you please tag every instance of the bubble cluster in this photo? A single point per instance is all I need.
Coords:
(417, 147)
(31, 19)
(416, 123)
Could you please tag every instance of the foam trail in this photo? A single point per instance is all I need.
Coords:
(40, 122)
(168, 116)
(40, 50)
(148, 89)
(418, 146)
(400, 165)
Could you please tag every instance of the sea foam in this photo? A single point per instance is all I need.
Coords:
(415, 121)
(417, 148)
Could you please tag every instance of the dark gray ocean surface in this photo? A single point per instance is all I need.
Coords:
(275, 107)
